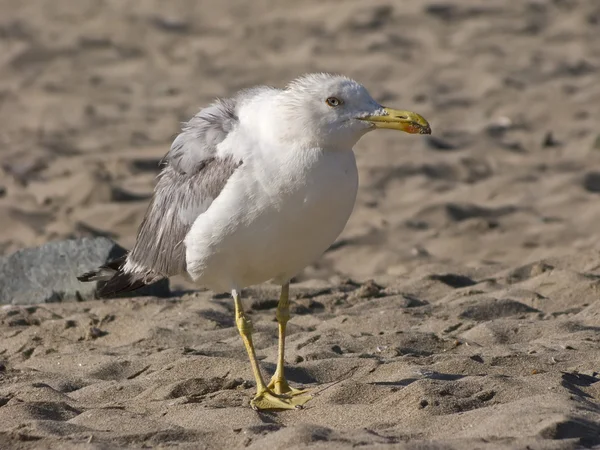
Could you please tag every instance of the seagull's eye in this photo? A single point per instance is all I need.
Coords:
(333, 102)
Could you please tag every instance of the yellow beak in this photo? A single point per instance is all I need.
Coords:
(407, 121)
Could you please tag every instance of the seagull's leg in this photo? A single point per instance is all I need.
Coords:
(278, 383)
(265, 398)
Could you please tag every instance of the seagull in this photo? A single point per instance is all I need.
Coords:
(254, 189)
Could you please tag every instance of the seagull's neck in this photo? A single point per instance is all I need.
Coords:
(303, 139)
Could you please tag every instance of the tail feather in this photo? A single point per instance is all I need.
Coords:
(113, 279)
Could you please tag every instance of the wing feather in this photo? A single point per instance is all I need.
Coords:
(192, 176)
(179, 198)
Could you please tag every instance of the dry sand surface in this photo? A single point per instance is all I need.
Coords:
(481, 328)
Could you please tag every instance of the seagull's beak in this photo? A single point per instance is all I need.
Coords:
(395, 119)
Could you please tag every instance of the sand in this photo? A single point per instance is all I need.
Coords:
(459, 309)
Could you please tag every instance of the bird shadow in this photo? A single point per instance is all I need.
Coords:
(293, 374)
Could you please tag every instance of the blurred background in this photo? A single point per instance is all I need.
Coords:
(92, 93)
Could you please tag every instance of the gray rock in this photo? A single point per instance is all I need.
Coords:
(49, 273)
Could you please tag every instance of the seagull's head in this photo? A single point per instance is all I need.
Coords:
(335, 111)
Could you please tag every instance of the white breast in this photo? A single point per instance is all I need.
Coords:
(273, 219)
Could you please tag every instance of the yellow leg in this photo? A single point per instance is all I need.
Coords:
(264, 398)
(278, 383)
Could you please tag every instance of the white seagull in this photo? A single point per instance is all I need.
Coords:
(255, 188)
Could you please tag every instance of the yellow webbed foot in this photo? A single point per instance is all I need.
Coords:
(266, 400)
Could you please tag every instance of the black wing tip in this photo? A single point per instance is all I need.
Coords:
(117, 283)
(88, 276)
(121, 282)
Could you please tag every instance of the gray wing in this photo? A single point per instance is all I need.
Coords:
(192, 177)
(200, 136)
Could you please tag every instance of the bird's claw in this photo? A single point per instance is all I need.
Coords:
(267, 400)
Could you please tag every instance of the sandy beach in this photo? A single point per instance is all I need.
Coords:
(460, 307)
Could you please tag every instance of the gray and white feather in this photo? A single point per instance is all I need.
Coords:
(192, 178)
